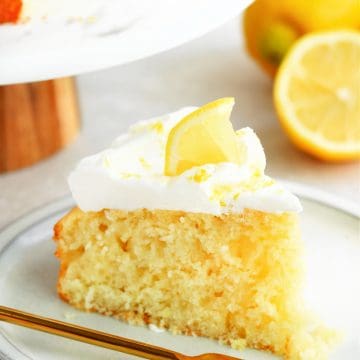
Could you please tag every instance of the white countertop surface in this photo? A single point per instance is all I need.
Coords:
(213, 66)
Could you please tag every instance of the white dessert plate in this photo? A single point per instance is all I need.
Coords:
(28, 273)
(76, 36)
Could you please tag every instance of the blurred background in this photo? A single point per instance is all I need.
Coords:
(212, 66)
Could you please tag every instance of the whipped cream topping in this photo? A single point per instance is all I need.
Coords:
(130, 175)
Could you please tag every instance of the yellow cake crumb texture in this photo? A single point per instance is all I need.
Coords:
(235, 278)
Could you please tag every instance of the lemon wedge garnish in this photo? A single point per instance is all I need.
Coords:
(205, 136)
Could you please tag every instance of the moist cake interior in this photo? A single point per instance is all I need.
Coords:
(235, 278)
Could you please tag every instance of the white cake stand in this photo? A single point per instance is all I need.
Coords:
(38, 117)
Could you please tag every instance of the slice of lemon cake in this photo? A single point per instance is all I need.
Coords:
(178, 226)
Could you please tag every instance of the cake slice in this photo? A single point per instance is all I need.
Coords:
(178, 226)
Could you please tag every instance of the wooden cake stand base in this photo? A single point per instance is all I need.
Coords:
(36, 120)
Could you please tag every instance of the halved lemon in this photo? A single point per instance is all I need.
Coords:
(205, 136)
(317, 95)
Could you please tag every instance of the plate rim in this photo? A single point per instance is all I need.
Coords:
(323, 197)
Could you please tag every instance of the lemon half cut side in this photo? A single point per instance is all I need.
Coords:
(317, 95)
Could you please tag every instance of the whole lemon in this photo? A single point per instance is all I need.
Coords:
(272, 26)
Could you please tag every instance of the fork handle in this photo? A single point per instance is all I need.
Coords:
(87, 335)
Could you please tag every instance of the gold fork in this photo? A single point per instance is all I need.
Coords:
(98, 338)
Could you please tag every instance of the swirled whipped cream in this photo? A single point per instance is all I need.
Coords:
(130, 175)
